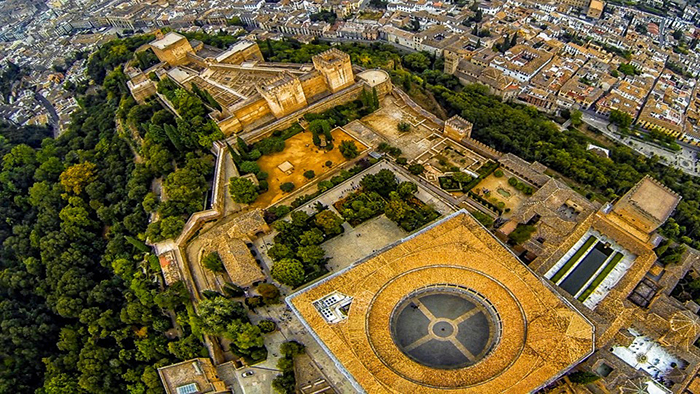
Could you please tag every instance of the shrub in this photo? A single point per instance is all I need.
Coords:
(254, 302)
(498, 173)
(267, 326)
(309, 174)
(254, 154)
(270, 293)
(348, 149)
(329, 164)
(521, 233)
(249, 167)
(289, 272)
(416, 169)
(213, 262)
(287, 187)
(243, 190)
(404, 127)
(232, 290)
(513, 181)
(401, 161)
(325, 185)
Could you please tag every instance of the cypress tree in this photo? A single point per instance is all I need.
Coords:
(173, 135)
(270, 51)
(242, 146)
(234, 155)
(375, 98)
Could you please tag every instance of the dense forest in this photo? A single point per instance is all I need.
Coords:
(82, 305)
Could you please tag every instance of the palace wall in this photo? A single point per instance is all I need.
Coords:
(313, 84)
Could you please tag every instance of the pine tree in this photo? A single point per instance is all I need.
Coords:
(329, 137)
(242, 146)
(407, 82)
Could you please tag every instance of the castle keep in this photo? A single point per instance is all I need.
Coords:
(251, 92)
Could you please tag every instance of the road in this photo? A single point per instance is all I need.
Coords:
(686, 159)
(53, 116)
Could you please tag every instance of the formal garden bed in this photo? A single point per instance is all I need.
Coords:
(290, 158)
(381, 193)
(459, 181)
(296, 254)
(499, 190)
(360, 207)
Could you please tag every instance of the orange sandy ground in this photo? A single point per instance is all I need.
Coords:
(304, 155)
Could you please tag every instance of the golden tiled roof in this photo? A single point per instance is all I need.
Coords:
(239, 262)
(541, 335)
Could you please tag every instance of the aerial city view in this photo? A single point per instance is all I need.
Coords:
(350, 196)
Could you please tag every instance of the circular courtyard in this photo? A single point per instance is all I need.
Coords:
(445, 327)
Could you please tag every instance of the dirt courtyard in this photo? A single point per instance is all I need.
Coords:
(304, 155)
(384, 121)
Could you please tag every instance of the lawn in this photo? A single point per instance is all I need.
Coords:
(304, 155)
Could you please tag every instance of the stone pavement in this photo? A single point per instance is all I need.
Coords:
(356, 243)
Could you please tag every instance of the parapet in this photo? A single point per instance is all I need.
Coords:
(458, 128)
(330, 58)
(283, 81)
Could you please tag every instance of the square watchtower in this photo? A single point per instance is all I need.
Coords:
(336, 67)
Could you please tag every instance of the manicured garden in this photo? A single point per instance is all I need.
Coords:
(296, 253)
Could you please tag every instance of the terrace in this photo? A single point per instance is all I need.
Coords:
(649, 356)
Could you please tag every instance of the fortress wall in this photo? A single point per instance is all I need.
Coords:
(196, 59)
(175, 54)
(349, 94)
(230, 125)
(481, 148)
(343, 97)
(314, 85)
(384, 88)
(250, 53)
(252, 112)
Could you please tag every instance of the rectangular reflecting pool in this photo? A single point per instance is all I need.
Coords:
(586, 268)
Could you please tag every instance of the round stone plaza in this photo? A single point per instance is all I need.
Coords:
(445, 327)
